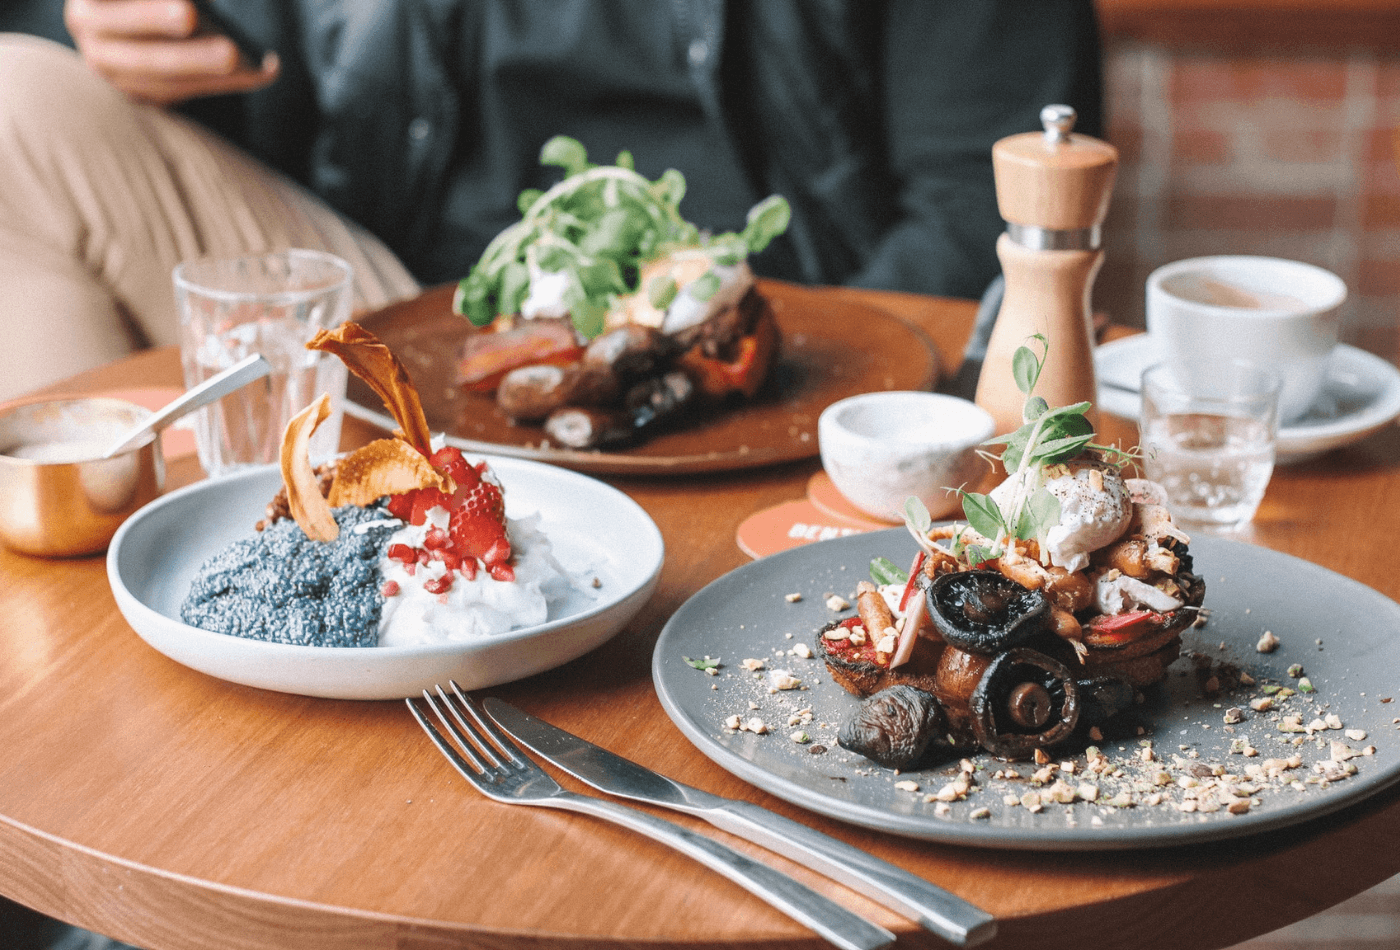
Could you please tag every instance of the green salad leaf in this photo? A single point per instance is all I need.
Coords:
(598, 226)
(884, 571)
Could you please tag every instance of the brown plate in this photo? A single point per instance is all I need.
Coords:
(831, 349)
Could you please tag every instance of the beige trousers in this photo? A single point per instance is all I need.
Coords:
(101, 197)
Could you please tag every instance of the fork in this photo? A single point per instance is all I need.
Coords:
(489, 760)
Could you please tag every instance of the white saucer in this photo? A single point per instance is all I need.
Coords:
(1361, 394)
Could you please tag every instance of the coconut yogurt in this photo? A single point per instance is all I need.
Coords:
(417, 610)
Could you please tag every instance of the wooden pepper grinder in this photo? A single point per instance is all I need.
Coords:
(1052, 190)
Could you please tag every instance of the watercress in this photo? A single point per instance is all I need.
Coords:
(597, 227)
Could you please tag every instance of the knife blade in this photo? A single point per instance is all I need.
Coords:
(934, 908)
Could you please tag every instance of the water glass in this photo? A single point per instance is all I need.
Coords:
(1207, 431)
(270, 304)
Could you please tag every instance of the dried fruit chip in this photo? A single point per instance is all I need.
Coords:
(309, 507)
(371, 360)
(383, 467)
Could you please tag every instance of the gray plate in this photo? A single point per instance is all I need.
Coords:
(1345, 635)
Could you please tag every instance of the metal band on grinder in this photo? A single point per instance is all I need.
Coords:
(1048, 239)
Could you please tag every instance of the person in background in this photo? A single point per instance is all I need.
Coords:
(398, 134)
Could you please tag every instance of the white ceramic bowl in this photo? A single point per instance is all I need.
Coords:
(882, 448)
(594, 529)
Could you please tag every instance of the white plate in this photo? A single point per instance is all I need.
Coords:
(1361, 394)
(592, 527)
(1343, 634)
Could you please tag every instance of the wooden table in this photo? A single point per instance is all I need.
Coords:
(176, 811)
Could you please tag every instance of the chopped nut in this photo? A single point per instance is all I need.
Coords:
(800, 737)
(793, 598)
(783, 680)
(752, 664)
(1268, 643)
(907, 786)
(803, 650)
(837, 602)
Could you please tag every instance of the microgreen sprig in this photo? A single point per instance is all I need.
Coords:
(1045, 438)
(597, 227)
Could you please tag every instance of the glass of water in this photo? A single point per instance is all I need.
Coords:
(270, 304)
(1208, 429)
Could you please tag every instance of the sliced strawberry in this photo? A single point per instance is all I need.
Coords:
(426, 499)
(401, 506)
(475, 535)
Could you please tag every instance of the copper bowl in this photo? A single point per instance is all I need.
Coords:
(58, 497)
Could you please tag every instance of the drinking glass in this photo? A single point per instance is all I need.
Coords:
(1207, 432)
(270, 304)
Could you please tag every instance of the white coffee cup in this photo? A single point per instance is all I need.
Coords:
(1280, 313)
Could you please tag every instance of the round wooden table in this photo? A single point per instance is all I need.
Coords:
(176, 811)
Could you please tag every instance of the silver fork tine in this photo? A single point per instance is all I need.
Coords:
(484, 723)
(492, 762)
(483, 756)
(445, 747)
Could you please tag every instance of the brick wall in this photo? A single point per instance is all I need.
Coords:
(1231, 152)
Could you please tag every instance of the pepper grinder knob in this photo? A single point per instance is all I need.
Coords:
(1058, 122)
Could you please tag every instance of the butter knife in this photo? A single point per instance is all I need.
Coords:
(937, 910)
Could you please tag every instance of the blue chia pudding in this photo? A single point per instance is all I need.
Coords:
(282, 587)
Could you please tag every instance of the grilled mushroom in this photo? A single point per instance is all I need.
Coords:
(1023, 702)
(986, 612)
(894, 727)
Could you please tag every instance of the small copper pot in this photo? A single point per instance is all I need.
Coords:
(58, 497)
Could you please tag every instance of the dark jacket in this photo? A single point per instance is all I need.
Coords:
(423, 119)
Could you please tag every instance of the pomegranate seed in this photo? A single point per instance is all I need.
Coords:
(498, 553)
(436, 539)
(423, 556)
(468, 568)
(450, 559)
(503, 572)
(401, 553)
(439, 585)
(390, 589)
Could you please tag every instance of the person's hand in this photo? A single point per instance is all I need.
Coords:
(153, 50)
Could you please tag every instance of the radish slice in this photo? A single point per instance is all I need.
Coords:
(909, 633)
